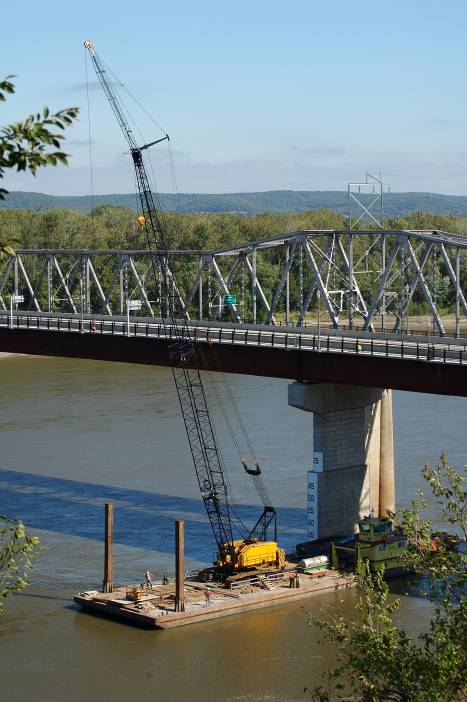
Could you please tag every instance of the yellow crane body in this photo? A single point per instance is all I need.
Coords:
(254, 554)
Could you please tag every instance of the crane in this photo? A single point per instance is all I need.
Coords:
(253, 551)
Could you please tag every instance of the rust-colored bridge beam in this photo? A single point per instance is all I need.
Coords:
(294, 364)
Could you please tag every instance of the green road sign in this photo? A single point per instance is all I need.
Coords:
(230, 299)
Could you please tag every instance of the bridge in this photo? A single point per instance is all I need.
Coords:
(367, 279)
(329, 310)
(319, 306)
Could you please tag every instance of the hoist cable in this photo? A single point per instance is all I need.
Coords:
(213, 390)
(158, 125)
(257, 480)
(89, 136)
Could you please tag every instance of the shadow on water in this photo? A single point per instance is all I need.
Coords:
(142, 519)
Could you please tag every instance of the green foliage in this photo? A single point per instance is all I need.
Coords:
(111, 227)
(26, 145)
(31, 144)
(379, 662)
(18, 549)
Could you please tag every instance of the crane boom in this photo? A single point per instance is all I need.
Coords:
(182, 351)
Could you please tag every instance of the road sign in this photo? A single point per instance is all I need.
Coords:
(134, 305)
(16, 299)
(230, 299)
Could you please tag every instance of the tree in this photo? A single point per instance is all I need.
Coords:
(377, 661)
(18, 549)
(31, 144)
(28, 145)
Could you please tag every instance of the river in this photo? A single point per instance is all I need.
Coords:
(75, 434)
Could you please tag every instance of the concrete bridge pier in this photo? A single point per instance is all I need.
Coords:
(353, 459)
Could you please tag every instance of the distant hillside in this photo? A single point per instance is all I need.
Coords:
(396, 204)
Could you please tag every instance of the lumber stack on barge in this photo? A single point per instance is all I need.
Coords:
(155, 608)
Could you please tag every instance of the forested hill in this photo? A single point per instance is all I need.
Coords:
(395, 204)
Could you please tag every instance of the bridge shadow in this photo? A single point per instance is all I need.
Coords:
(142, 519)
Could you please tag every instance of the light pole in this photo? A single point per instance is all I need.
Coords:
(428, 327)
(319, 320)
(81, 323)
(127, 317)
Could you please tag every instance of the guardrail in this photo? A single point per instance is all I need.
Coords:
(272, 337)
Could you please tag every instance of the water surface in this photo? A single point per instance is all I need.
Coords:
(75, 434)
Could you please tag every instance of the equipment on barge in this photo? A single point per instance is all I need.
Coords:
(377, 544)
(253, 551)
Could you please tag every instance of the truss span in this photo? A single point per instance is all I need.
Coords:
(370, 279)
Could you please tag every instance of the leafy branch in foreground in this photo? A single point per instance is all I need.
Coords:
(18, 549)
(32, 143)
(376, 660)
(26, 144)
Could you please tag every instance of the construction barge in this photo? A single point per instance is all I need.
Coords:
(156, 607)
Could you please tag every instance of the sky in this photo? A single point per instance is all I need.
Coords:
(259, 95)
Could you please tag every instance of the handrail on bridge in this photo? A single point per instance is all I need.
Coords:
(273, 337)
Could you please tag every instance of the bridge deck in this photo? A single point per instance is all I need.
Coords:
(403, 363)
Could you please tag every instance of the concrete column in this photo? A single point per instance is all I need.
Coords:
(387, 497)
(353, 435)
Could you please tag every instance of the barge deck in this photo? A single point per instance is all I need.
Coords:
(155, 609)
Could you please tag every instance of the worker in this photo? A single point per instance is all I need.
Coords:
(149, 576)
(207, 598)
(165, 579)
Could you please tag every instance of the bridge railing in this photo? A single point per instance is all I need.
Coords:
(272, 337)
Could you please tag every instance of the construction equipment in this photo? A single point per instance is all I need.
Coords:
(253, 550)
(378, 544)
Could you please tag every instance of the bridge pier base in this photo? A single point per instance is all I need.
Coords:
(353, 435)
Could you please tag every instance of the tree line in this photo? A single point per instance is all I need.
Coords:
(113, 228)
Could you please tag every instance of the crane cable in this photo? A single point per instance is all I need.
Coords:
(89, 136)
(156, 124)
(212, 389)
(257, 480)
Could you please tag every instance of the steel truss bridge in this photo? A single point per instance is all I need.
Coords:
(364, 279)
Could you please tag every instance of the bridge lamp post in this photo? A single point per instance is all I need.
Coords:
(81, 321)
(428, 324)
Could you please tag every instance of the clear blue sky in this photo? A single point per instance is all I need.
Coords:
(256, 95)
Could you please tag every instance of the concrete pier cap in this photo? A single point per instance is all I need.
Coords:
(353, 459)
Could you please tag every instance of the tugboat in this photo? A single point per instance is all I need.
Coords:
(378, 544)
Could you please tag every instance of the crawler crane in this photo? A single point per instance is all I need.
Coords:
(236, 557)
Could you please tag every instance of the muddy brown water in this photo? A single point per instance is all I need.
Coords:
(77, 433)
